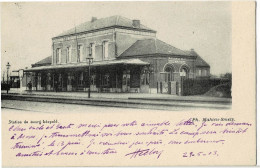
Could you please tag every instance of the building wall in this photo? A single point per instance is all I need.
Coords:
(126, 38)
(159, 63)
(118, 41)
(85, 40)
(202, 72)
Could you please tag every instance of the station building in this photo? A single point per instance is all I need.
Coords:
(126, 57)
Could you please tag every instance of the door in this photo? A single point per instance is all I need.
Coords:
(126, 81)
(93, 86)
(145, 80)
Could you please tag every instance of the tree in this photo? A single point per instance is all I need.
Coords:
(228, 76)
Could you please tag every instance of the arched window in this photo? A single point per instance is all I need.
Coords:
(185, 71)
(169, 75)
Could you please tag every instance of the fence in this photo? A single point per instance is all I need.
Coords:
(201, 86)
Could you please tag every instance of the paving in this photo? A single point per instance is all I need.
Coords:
(130, 100)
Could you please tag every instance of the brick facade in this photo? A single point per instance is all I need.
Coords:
(127, 57)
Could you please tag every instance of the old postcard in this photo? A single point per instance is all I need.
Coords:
(128, 83)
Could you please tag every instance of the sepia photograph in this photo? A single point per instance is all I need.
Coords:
(127, 83)
(171, 60)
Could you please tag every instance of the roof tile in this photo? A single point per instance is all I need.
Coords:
(46, 60)
(152, 46)
(103, 23)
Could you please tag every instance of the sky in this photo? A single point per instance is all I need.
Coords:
(27, 27)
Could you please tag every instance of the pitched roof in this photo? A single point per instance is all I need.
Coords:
(44, 61)
(199, 60)
(152, 46)
(83, 64)
(112, 21)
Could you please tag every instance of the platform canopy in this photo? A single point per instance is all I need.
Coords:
(85, 64)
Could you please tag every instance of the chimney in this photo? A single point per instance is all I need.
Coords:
(136, 23)
(193, 53)
(93, 19)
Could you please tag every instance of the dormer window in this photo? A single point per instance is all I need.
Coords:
(105, 49)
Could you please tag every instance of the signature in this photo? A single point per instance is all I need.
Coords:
(145, 152)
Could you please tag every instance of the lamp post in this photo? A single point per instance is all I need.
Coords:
(90, 60)
(7, 67)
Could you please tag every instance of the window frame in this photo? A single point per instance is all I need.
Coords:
(92, 50)
(80, 54)
(105, 45)
(68, 58)
(58, 55)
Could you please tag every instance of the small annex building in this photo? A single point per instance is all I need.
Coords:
(126, 57)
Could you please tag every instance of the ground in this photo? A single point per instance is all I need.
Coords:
(45, 107)
(69, 101)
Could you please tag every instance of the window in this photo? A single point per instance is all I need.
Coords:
(69, 79)
(105, 49)
(204, 72)
(93, 80)
(39, 79)
(81, 79)
(68, 54)
(185, 72)
(145, 76)
(92, 50)
(60, 80)
(169, 74)
(199, 72)
(106, 79)
(80, 53)
(49, 80)
(58, 55)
